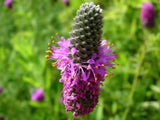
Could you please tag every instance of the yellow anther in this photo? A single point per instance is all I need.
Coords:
(53, 65)
(113, 59)
(77, 65)
(66, 61)
(112, 44)
(49, 43)
(97, 66)
(53, 41)
(107, 75)
(87, 68)
(72, 77)
(56, 33)
(52, 37)
(48, 51)
(109, 43)
(106, 44)
(102, 65)
(66, 79)
(47, 56)
(96, 79)
(60, 60)
(113, 67)
(89, 83)
(95, 73)
(73, 81)
(49, 48)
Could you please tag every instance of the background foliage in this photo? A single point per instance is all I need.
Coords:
(132, 93)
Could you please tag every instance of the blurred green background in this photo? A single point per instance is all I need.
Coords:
(25, 30)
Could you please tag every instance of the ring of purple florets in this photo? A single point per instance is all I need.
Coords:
(81, 81)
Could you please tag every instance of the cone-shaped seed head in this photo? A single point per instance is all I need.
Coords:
(86, 32)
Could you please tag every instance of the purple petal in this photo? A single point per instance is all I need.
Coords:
(73, 50)
(94, 55)
(83, 75)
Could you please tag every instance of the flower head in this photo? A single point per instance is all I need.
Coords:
(147, 15)
(83, 59)
(8, 3)
(37, 95)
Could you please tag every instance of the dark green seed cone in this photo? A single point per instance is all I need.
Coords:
(86, 32)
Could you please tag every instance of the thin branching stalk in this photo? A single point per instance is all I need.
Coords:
(130, 99)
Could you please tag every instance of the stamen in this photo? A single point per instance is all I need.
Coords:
(96, 79)
(72, 77)
(49, 43)
(52, 37)
(113, 67)
(73, 81)
(112, 44)
(56, 33)
(77, 65)
(48, 51)
(66, 79)
(95, 73)
(102, 65)
(66, 61)
(53, 41)
(47, 56)
(53, 65)
(89, 83)
(106, 75)
(87, 68)
(109, 43)
(60, 60)
(97, 66)
(113, 60)
(49, 48)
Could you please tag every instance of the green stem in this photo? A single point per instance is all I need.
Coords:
(134, 82)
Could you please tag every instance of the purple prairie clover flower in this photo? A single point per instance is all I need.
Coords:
(83, 60)
(81, 81)
(147, 15)
(37, 95)
(8, 3)
(1, 89)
